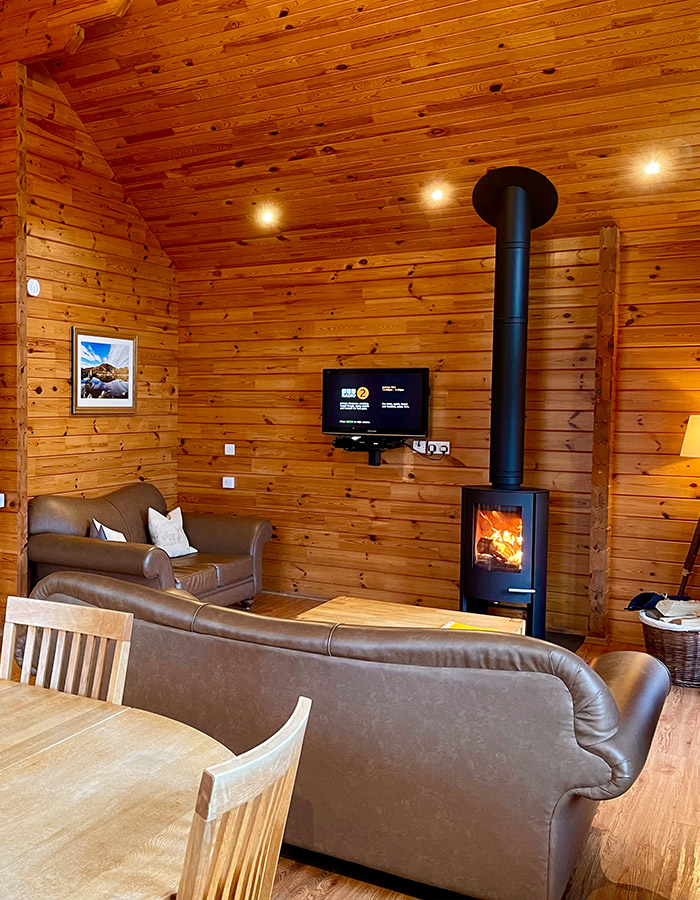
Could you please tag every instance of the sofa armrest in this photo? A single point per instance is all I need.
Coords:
(229, 535)
(108, 557)
(639, 685)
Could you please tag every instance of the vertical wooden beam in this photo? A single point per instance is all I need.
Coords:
(13, 345)
(20, 358)
(603, 426)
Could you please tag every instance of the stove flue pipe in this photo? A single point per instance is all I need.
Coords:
(514, 200)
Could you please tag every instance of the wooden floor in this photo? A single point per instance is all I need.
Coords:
(296, 881)
(644, 845)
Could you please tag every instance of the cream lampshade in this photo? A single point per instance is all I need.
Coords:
(691, 441)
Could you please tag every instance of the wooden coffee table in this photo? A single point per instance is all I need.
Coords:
(357, 611)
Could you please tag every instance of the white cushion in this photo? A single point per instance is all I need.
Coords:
(167, 532)
(107, 534)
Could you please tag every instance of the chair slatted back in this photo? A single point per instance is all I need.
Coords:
(239, 819)
(68, 646)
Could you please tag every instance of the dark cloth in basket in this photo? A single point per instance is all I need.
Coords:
(649, 599)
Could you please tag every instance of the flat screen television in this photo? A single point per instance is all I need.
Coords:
(391, 402)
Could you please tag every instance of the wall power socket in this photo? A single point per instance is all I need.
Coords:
(439, 448)
(432, 448)
(228, 481)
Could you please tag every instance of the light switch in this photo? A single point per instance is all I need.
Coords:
(230, 449)
(228, 481)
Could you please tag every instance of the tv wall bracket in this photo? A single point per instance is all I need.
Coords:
(374, 446)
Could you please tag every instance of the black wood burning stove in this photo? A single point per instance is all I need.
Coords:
(504, 551)
(504, 527)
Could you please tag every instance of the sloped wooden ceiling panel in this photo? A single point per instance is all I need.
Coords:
(342, 113)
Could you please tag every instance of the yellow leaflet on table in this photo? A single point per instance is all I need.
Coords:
(468, 627)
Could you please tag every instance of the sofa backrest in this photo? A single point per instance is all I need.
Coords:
(125, 510)
(596, 716)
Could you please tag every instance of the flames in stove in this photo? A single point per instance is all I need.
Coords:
(498, 538)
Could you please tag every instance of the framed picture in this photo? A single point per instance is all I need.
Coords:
(104, 372)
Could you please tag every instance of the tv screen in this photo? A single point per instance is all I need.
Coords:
(376, 401)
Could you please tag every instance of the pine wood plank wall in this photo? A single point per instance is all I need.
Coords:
(656, 492)
(12, 331)
(99, 266)
(253, 343)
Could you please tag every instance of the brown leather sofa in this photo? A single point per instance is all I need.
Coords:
(227, 569)
(468, 761)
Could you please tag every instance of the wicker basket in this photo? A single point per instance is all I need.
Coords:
(677, 646)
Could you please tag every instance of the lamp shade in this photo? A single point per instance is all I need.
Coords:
(691, 441)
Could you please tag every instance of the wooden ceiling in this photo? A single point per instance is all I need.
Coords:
(342, 113)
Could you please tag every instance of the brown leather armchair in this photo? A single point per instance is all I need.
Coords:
(465, 760)
(226, 569)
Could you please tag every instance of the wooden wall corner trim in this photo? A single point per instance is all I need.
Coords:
(605, 388)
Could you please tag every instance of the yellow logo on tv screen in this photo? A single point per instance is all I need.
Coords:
(362, 393)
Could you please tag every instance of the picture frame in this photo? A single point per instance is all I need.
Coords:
(103, 372)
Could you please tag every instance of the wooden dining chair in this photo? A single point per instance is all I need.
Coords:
(239, 819)
(72, 643)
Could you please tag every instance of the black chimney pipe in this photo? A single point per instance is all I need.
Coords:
(514, 200)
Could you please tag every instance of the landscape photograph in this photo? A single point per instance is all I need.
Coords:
(104, 367)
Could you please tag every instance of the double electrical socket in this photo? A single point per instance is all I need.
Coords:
(432, 448)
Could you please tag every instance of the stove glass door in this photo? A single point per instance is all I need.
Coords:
(498, 537)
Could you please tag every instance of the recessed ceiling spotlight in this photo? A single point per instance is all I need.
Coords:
(652, 167)
(268, 216)
(436, 194)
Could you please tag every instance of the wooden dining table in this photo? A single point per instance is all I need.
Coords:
(96, 800)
